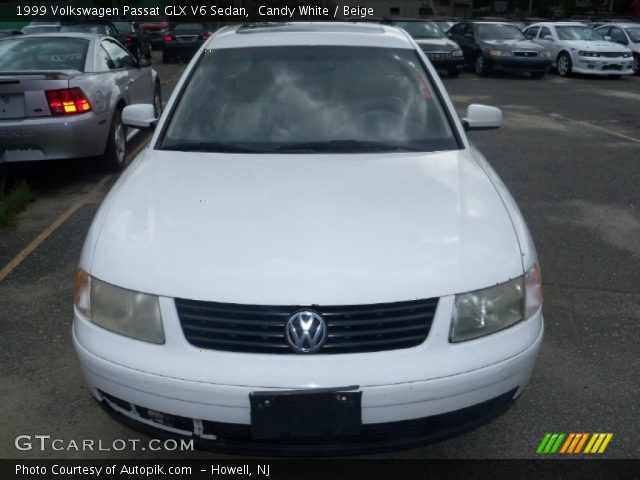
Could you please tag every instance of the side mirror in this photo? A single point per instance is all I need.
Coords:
(144, 62)
(139, 116)
(548, 37)
(482, 117)
(468, 36)
(607, 38)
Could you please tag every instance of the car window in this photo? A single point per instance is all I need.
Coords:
(577, 32)
(634, 33)
(50, 53)
(469, 28)
(120, 57)
(420, 29)
(532, 32)
(492, 31)
(618, 35)
(545, 32)
(293, 99)
(107, 62)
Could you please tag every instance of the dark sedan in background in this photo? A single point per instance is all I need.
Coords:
(137, 41)
(156, 27)
(443, 53)
(4, 33)
(496, 46)
(183, 40)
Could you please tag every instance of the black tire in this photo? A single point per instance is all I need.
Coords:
(636, 65)
(563, 64)
(537, 75)
(4, 179)
(115, 154)
(480, 66)
(453, 72)
(157, 100)
(614, 76)
(166, 58)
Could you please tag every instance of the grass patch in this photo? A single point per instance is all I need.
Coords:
(15, 201)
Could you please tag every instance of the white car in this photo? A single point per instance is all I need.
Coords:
(577, 48)
(310, 255)
(627, 34)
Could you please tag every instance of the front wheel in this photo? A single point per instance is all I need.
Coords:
(453, 72)
(636, 65)
(564, 65)
(537, 75)
(114, 156)
(166, 58)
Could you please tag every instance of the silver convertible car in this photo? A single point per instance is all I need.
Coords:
(62, 94)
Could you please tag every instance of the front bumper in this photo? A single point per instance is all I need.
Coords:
(53, 138)
(438, 388)
(603, 66)
(515, 64)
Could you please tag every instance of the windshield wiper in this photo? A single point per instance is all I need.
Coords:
(343, 146)
(225, 147)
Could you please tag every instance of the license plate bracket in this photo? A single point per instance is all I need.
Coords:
(306, 413)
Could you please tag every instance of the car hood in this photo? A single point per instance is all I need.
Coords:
(305, 229)
(513, 44)
(436, 44)
(596, 46)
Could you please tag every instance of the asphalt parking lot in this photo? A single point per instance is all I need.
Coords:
(569, 152)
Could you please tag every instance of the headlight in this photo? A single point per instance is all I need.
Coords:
(584, 53)
(136, 315)
(492, 309)
(456, 53)
(545, 54)
(499, 53)
(626, 54)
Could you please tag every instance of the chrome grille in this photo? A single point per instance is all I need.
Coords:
(527, 53)
(261, 328)
(610, 54)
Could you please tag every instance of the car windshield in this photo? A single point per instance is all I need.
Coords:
(43, 53)
(189, 27)
(123, 27)
(496, 31)
(420, 29)
(634, 33)
(445, 26)
(83, 28)
(577, 32)
(31, 30)
(309, 99)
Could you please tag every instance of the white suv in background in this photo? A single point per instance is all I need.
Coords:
(577, 48)
(310, 256)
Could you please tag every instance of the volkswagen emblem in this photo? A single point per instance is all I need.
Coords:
(306, 331)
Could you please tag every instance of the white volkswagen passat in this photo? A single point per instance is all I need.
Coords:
(310, 256)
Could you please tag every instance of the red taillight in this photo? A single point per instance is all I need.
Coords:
(129, 39)
(67, 101)
(168, 38)
(205, 35)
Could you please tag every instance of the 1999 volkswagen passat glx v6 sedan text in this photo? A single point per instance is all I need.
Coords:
(310, 256)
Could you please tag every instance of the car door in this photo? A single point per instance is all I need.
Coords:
(464, 36)
(136, 80)
(548, 40)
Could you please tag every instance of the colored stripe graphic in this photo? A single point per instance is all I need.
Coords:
(573, 443)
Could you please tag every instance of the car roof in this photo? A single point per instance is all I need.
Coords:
(310, 33)
(620, 24)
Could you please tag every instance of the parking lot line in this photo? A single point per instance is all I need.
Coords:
(46, 233)
(611, 132)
